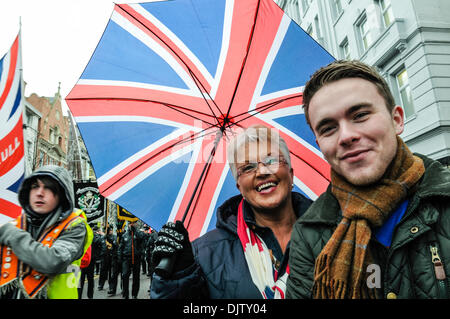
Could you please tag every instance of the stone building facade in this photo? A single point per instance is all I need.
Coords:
(408, 41)
(53, 131)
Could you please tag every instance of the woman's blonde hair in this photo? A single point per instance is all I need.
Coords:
(259, 134)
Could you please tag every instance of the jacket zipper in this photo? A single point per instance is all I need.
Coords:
(439, 271)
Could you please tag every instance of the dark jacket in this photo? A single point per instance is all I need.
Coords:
(150, 242)
(132, 239)
(220, 270)
(407, 270)
(111, 246)
(98, 247)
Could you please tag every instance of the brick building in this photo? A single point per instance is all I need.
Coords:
(53, 130)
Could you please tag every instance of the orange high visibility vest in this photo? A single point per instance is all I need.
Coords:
(13, 270)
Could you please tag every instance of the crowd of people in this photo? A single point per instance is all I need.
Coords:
(117, 255)
(381, 230)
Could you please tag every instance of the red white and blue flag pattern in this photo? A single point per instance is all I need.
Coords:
(163, 80)
(12, 163)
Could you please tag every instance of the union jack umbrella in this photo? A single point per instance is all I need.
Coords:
(12, 164)
(167, 86)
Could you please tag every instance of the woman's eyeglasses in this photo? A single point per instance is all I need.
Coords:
(272, 163)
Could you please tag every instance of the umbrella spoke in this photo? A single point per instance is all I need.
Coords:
(175, 143)
(259, 110)
(194, 137)
(244, 61)
(201, 180)
(203, 91)
(182, 110)
(191, 72)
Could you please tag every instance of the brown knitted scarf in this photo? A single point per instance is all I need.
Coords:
(341, 268)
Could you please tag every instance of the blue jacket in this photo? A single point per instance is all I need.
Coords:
(220, 269)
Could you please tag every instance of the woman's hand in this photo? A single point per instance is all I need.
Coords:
(173, 243)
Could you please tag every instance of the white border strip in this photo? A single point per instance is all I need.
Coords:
(138, 8)
(154, 168)
(184, 185)
(112, 172)
(282, 29)
(155, 47)
(313, 196)
(140, 85)
(213, 203)
(226, 33)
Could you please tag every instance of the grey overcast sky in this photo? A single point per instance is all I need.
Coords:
(58, 38)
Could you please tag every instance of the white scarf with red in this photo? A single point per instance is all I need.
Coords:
(259, 261)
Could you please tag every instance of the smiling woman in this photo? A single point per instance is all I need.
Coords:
(267, 187)
(252, 234)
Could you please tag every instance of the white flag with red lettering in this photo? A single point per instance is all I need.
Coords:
(12, 163)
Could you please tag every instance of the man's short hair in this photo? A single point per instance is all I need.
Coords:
(343, 69)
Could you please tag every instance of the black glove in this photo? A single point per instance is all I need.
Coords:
(173, 243)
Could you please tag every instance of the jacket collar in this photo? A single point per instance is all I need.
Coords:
(436, 180)
(435, 183)
(324, 210)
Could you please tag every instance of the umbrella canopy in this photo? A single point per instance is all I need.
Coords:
(167, 86)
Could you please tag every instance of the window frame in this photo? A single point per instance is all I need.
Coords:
(364, 35)
(344, 49)
(386, 9)
(408, 106)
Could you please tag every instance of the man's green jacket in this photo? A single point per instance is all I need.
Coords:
(407, 267)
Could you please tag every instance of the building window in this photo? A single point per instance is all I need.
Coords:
(345, 50)
(30, 150)
(405, 93)
(41, 158)
(305, 6)
(364, 34)
(317, 27)
(29, 119)
(310, 31)
(386, 12)
(337, 8)
(52, 135)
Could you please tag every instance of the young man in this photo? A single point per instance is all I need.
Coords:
(382, 228)
(41, 251)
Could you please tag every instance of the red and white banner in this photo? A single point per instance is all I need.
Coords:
(12, 163)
